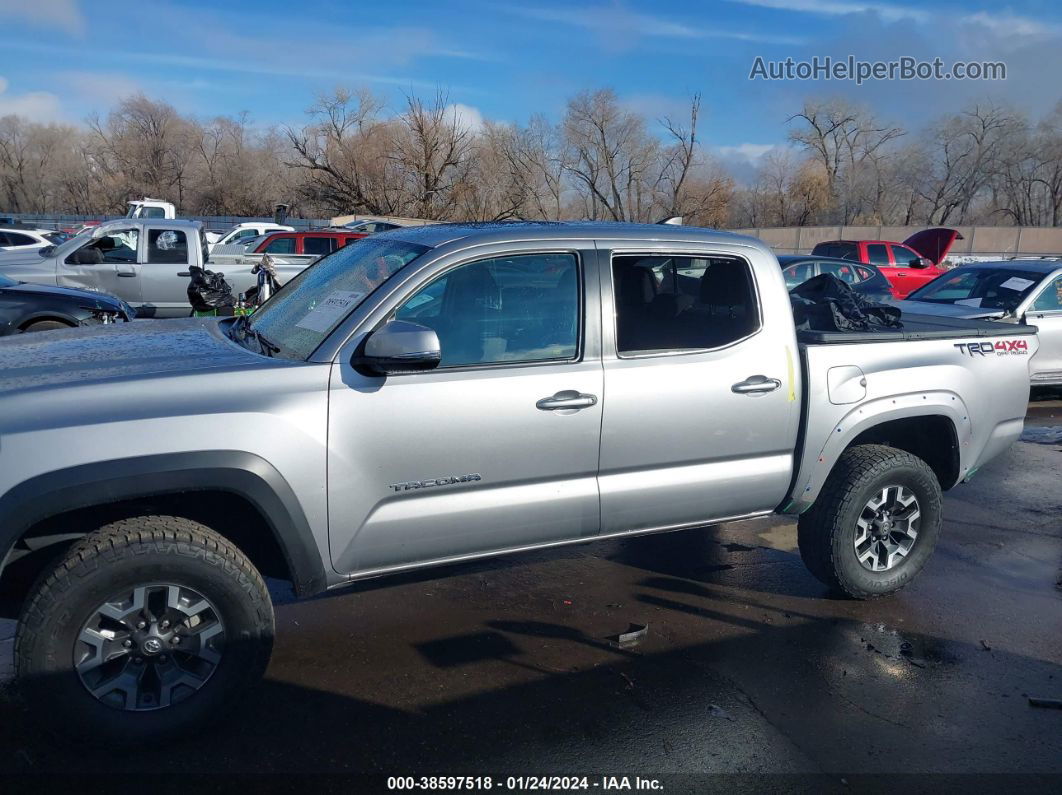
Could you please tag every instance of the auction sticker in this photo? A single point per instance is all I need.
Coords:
(324, 315)
(1017, 283)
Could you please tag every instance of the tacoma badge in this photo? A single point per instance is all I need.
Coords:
(447, 481)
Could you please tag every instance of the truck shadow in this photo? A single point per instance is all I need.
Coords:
(760, 690)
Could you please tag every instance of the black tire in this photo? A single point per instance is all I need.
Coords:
(115, 560)
(46, 325)
(827, 532)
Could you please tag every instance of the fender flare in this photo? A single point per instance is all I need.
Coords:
(816, 467)
(244, 474)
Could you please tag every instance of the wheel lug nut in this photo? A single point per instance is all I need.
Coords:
(175, 640)
(138, 660)
(127, 644)
(165, 625)
(141, 625)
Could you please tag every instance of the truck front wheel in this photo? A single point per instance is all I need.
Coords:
(147, 629)
(875, 524)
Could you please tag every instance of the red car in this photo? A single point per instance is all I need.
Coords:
(320, 241)
(907, 265)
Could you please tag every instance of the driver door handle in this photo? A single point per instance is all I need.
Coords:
(756, 385)
(567, 399)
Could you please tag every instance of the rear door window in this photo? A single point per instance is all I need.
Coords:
(796, 275)
(318, 245)
(167, 246)
(682, 303)
(846, 273)
(16, 239)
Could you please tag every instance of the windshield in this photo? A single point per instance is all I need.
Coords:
(306, 310)
(986, 288)
(71, 244)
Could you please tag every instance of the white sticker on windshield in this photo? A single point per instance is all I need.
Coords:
(1017, 283)
(331, 309)
(969, 302)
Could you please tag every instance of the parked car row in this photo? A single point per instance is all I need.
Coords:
(907, 265)
(16, 237)
(144, 263)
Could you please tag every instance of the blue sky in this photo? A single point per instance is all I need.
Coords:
(63, 59)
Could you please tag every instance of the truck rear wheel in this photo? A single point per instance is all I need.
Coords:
(147, 628)
(874, 525)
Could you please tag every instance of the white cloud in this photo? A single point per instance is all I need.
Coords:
(1011, 26)
(617, 21)
(1004, 24)
(35, 105)
(751, 153)
(62, 14)
(466, 116)
(889, 12)
(101, 88)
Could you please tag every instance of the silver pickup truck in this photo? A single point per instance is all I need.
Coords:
(143, 261)
(441, 393)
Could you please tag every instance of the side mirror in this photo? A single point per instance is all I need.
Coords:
(47, 251)
(920, 262)
(399, 347)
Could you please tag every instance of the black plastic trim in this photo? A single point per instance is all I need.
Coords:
(104, 482)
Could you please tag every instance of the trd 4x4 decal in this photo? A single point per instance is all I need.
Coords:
(999, 348)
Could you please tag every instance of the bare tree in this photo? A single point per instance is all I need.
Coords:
(608, 155)
(851, 146)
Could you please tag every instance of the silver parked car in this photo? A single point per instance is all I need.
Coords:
(1018, 290)
(442, 393)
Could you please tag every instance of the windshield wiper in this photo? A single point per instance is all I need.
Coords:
(243, 328)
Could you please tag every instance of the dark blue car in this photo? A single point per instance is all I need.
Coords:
(865, 279)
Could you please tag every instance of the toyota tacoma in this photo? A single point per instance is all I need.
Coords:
(441, 393)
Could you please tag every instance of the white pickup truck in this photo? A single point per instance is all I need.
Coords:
(143, 261)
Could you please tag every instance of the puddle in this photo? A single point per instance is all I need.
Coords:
(1050, 434)
(918, 650)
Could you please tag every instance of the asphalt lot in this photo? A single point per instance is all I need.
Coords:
(749, 666)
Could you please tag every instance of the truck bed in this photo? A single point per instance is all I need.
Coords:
(919, 327)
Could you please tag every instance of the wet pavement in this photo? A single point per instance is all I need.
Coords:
(748, 665)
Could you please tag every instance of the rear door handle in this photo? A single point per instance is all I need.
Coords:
(756, 385)
(127, 274)
(568, 399)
